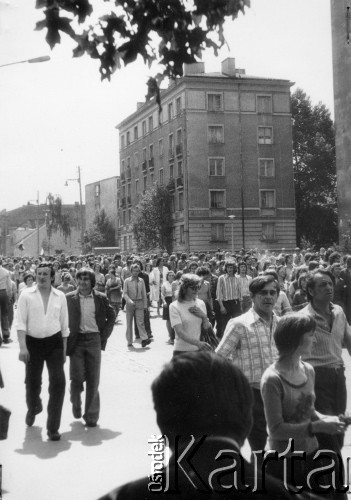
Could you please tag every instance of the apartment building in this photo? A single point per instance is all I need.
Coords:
(222, 145)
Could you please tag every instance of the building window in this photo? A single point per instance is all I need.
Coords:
(124, 217)
(144, 154)
(180, 168)
(264, 104)
(128, 162)
(125, 242)
(178, 105)
(214, 102)
(136, 159)
(171, 171)
(267, 198)
(215, 134)
(217, 199)
(265, 135)
(129, 215)
(161, 176)
(143, 127)
(160, 147)
(160, 118)
(266, 167)
(171, 145)
(123, 191)
(130, 242)
(136, 132)
(268, 231)
(151, 124)
(217, 232)
(216, 166)
(128, 138)
(172, 204)
(145, 183)
(122, 141)
(97, 190)
(179, 136)
(181, 234)
(152, 177)
(128, 189)
(170, 111)
(136, 186)
(151, 151)
(180, 201)
(122, 166)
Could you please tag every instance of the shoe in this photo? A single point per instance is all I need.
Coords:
(7, 340)
(38, 409)
(145, 342)
(30, 418)
(130, 345)
(170, 341)
(150, 336)
(54, 435)
(90, 424)
(77, 411)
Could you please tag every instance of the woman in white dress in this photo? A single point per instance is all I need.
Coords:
(157, 277)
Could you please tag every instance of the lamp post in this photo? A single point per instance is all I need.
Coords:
(31, 61)
(232, 217)
(79, 180)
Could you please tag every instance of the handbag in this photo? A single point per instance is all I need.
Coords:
(4, 422)
(208, 335)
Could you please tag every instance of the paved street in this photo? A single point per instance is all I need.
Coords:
(88, 462)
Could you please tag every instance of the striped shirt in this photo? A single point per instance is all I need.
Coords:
(327, 350)
(248, 342)
(244, 282)
(228, 287)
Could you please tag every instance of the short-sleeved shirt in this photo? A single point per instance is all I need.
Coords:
(179, 314)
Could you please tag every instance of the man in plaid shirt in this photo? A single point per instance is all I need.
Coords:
(248, 341)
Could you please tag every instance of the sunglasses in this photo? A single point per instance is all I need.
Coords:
(195, 287)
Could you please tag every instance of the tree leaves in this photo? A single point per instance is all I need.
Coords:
(56, 220)
(169, 33)
(314, 170)
(152, 220)
(101, 232)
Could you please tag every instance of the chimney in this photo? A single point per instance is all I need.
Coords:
(228, 66)
(197, 68)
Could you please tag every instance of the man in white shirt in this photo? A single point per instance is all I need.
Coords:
(42, 328)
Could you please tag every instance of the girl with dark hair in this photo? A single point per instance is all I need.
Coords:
(166, 295)
(287, 389)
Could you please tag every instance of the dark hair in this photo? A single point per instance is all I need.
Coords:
(258, 283)
(302, 276)
(313, 264)
(170, 271)
(287, 256)
(202, 271)
(158, 261)
(207, 385)
(290, 330)
(311, 281)
(271, 272)
(333, 257)
(230, 263)
(87, 271)
(337, 264)
(240, 264)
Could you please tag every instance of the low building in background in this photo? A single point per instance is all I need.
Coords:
(222, 145)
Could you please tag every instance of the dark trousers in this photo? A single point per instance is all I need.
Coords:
(233, 310)
(49, 350)
(85, 363)
(10, 315)
(147, 325)
(4, 300)
(258, 434)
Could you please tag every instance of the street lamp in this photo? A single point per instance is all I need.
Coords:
(232, 217)
(79, 180)
(31, 61)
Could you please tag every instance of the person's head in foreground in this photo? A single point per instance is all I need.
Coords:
(201, 393)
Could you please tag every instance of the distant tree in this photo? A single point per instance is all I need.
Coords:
(55, 219)
(101, 233)
(169, 32)
(152, 220)
(314, 171)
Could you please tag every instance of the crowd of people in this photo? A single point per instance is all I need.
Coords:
(282, 319)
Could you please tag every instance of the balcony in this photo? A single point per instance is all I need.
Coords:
(171, 185)
(180, 182)
(129, 201)
(179, 149)
(129, 173)
(151, 164)
(144, 166)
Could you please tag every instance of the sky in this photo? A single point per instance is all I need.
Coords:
(57, 115)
